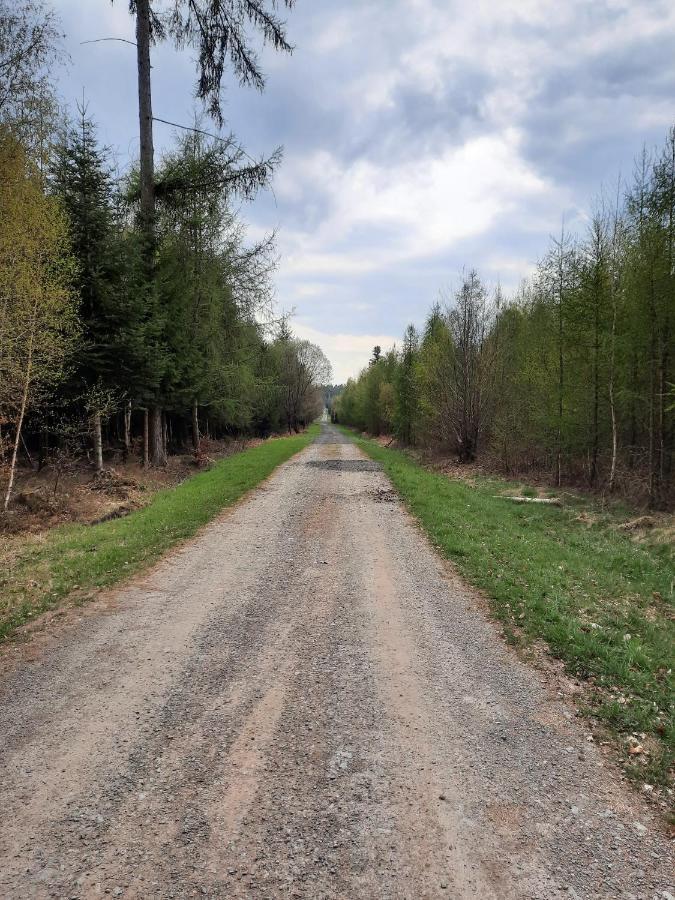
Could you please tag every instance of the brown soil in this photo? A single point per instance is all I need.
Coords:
(45, 499)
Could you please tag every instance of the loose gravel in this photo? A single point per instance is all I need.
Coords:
(305, 702)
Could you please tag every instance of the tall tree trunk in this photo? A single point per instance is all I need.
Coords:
(98, 441)
(22, 410)
(596, 394)
(561, 384)
(146, 439)
(196, 441)
(633, 413)
(156, 437)
(147, 175)
(653, 386)
(612, 404)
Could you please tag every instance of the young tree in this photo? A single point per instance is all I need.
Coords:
(37, 306)
(435, 379)
(558, 274)
(469, 321)
(595, 297)
(405, 415)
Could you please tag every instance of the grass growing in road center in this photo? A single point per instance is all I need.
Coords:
(81, 559)
(602, 602)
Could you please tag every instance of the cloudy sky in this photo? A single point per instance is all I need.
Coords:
(420, 137)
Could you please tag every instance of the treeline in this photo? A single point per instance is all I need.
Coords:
(573, 376)
(107, 343)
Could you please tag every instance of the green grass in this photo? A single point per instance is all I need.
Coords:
(78, 560)
(602, 602)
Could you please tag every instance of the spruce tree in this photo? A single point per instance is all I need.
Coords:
(117, 356)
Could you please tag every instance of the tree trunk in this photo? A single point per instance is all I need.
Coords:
(156, 437)
(127, 429)
(22, 411)
(98, 441)
(561, 386)
(612, 406)
(146, 430)
(165, 434)
(196, 441)
(147, 176)
(17, 439)
(653, 468)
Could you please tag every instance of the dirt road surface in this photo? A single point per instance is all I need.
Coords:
(305, 702)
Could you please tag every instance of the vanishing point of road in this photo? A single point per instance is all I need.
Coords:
(306, 702)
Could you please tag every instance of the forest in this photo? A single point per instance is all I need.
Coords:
(572, 378)
(135, 315)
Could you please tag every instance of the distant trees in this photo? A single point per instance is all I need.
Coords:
(302, 369)
(573, 376)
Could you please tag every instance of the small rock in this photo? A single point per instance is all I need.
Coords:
(639, 827)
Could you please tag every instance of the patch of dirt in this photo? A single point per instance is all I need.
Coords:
(45, 499)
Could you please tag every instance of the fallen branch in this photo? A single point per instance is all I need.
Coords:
(549, 501)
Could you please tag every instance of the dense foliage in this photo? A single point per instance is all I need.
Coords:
(572, 376)
(109, 343)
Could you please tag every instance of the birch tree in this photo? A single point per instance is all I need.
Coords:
(37, 307)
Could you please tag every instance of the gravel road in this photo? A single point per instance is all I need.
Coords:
(305, 702)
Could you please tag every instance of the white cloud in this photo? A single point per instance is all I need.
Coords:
(348, 353)
(405, 211)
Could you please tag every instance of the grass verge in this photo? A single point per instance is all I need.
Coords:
(79, 560)
(602, 602)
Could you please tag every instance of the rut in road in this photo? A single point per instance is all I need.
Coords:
(305, 702)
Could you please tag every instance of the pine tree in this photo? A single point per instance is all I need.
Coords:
(117, 355)
(406, 388)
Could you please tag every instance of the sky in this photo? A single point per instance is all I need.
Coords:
(421, 138)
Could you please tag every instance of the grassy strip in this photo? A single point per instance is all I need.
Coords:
(81, 559)
(602, 602)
